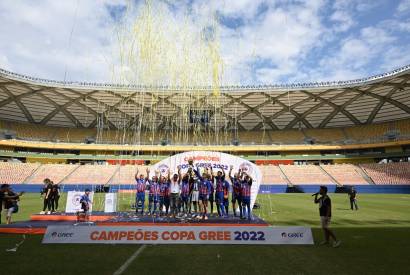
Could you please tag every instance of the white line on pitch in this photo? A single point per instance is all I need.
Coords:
(130, 260)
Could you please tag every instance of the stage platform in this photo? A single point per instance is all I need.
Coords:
(39, 223)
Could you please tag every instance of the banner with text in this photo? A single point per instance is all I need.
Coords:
(178, 235)
(217, 160)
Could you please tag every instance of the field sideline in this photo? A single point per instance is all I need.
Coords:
(375, 240)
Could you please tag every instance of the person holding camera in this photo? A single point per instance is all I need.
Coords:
(9, 198)
(325, 211)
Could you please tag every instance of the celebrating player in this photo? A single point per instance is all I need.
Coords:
(153, 195)
(204, 191)
(185, 192)
(164, 195)
(219, 195)
(236, 191)
(246, 185)
(141, 187)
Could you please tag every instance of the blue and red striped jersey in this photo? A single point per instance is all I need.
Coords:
(164, 189)
(141, 185)
(205, 187)
(246, 189)
(154, 188)
(185, 188)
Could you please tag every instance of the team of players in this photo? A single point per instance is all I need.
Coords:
(192, 193)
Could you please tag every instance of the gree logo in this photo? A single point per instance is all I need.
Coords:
(292, 235)
(62, 235)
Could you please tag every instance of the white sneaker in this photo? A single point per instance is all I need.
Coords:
(42, 212)
(49, 212)
(337, 243)
(323, 243)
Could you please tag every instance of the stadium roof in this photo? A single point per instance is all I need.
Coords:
(380, 98)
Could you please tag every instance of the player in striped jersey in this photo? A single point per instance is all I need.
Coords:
(185, 191)
(226, 197)
(236, 191)
(219, 195)
(164, 195)
(153, 196)
(141, 187)
(204, 191)
(246, 185)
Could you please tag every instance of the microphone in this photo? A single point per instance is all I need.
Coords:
(315, 194)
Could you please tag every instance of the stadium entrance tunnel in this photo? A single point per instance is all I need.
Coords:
(293, 189)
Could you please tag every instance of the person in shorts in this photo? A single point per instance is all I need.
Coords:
(325, 212)
(9, 199)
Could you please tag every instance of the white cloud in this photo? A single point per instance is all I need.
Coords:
(404, 6)
(289, 41)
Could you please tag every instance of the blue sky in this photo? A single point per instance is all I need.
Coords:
(261, 42)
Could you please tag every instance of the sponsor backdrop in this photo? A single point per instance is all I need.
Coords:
(73, 204)
(217, 160)
(110, 205)
(178, 235)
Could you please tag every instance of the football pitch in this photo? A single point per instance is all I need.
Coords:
(375, 240)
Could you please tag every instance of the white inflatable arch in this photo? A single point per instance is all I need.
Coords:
(217, 160)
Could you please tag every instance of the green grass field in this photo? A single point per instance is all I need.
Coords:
(375, 240)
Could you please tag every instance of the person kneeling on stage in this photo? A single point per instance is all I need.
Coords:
(86, 202)
(236, 191)
(140, 197)
(246, 196)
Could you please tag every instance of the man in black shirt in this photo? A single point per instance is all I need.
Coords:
(55, 196)
(352, 196)
(46, 194)
(325, 211)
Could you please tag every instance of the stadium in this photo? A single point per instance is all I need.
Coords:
(292, 140)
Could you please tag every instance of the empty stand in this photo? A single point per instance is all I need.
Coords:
(388, 173)
(91, 174)
(306, 174)
(15, 173)
(272, 175)
(256, 137)
(287, 137)
(367, 133)
(126, 174)
(345, 174)
(327, 136)
(55, 172)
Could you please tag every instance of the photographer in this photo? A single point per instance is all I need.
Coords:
(5, 196)
(325, 211)
(10, 201)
